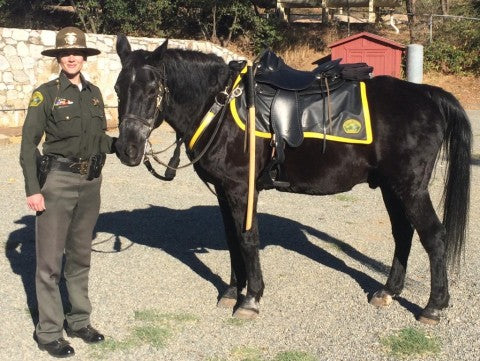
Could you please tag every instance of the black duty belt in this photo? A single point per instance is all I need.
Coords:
(74, 165)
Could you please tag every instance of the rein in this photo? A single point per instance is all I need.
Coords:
(221, 100)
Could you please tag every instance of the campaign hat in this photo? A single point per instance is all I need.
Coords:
(70, 38)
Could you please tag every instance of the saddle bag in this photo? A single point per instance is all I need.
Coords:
(356, 71)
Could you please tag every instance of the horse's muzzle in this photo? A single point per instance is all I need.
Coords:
(130, 145)
(130, 154)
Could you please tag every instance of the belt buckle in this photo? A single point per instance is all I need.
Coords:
(83, 167)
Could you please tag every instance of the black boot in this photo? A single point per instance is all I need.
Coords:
(59, 348)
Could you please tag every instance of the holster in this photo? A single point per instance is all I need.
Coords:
(95, 165)
(44, 164)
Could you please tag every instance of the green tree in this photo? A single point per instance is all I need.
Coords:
(33, 14)
(140, 17)
(89, 13)
(456, 41)
(220, 21)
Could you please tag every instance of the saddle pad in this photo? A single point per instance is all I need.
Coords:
(349, 114)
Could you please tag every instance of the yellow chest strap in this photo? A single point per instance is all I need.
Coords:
(212, 112)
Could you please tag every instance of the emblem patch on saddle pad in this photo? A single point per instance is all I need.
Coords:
(341, 116)
(352, 126)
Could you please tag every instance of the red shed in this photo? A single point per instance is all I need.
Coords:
(383, 54)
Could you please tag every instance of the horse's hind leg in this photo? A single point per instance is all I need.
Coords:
(432, 236)
(238, 276)
(420, 212)
(402, 231)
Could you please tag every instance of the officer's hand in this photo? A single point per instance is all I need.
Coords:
(36, 202)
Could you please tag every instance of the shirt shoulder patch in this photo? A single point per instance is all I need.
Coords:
(36, 100)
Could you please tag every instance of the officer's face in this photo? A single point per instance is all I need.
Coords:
(71, 62)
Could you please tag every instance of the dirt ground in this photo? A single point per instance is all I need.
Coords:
(465, 88)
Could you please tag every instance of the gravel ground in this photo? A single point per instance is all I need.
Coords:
(160, 261)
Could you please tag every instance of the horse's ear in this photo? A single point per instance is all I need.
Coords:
(123, 47)
(158, 52)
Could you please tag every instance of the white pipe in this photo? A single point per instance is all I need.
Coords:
(392, 24)
(415, 63)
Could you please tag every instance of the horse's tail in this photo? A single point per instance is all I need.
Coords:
(456, 194)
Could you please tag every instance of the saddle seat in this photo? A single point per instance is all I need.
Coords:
(273, 71)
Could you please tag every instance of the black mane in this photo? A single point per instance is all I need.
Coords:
(193, 79)
(192, 73)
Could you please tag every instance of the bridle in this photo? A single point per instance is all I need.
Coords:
(171, 168)
(220, 105)
(162, 92)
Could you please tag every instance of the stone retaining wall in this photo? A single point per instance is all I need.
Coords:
(23, 68)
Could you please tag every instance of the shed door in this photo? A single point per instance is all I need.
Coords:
(378, 60)
(375, 58)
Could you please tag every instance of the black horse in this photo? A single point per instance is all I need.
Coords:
(410, 123)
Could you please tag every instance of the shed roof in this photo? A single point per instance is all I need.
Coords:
(365, 34)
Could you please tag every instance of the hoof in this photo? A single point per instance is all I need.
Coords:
(381, 299)
(429, 317)
(226, 302)
(248, 309)
(245, 313)
(428, 321)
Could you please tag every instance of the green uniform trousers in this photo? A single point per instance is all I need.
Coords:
(66, 226)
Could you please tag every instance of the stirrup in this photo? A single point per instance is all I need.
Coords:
(273, 176)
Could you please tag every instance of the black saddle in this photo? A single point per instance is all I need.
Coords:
(272, 70)
(288, 86)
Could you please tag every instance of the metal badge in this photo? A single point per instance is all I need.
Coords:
(70, 38)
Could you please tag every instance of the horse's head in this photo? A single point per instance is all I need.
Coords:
(140, 88)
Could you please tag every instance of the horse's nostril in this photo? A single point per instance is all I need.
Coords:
(131, 151)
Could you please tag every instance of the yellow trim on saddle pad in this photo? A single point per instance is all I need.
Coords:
(350, 125)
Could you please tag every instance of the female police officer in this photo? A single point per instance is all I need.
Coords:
(69, 111)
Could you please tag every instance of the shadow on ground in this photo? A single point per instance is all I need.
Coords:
(185, 233)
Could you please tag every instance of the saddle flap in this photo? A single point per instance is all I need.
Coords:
(286, 117)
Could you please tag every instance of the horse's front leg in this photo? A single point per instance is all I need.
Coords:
(249, 251)
(249, 307)
(238, 274)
